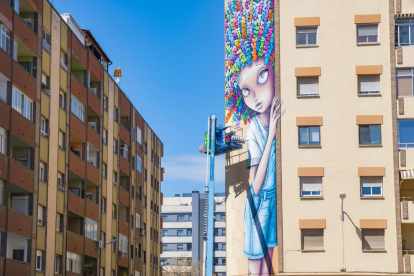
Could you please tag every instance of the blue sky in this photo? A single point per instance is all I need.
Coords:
(172, 58)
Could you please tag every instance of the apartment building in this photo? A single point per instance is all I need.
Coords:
(80, 169)
(183, 229)
(345, 73)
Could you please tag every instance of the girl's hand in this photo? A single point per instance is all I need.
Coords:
(274, 117)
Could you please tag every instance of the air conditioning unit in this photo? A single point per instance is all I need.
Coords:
(142, 232)
(99, 244)
(120, 254)
(163, 170)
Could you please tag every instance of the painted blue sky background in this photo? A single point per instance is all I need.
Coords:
(172, 58)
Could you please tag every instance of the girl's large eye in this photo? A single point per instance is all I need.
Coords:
(263, 76)
(245, 92)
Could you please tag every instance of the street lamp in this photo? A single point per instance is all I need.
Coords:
(113, 241)
(342, 196)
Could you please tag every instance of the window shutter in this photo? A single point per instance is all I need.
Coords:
(373, 239)
(369, 83)
(367, 30)
(404, 86)
(308, 86)
(371, 181)
(311, 183)
(312, 239)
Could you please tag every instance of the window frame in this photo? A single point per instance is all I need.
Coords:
(369, 135)
(369, 93)
(371, 195)
(77, 107)
(20, 103)
(397, 76)
(302, 178)
(39, 257)
(46, 39)
(366, 25)
(303, 29)
(397, 32)
(7, 34)
(309, 136)
(303, 249)
(3, 141)
(298, 82)
(383, 249)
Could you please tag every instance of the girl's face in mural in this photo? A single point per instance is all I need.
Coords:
(257, 85)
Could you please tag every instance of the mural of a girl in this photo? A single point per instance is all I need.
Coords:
(251, 99)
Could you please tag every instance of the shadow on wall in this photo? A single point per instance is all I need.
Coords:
(237, 176)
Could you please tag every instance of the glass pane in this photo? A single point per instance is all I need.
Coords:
(316, 193)
(406, 133)
(403, 32)
(312, 39)
(314, 135)
(375, 134)
(411, 34)
(305, 193)
(361, 39)
(366, 190)
(376, 190)
(372, 38)
(301, 39)
(303, 136)
(364, 135)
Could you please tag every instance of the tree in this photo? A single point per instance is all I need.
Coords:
(182, 266)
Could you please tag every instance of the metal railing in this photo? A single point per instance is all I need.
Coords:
(405, 145)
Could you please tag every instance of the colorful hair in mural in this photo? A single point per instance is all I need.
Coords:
(249, 35)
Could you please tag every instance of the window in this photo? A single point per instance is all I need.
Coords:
(115, 146)
(189, 232)
(2, 191)
(73, 262)
(103, 205)
(58, 264)
(46, 40)
(306, 36)
(404, 32)
(369, 134)
(123, 243)
(104, 170)
(310, 186)
(44, 127)
(61, 140)
(22, 104)
(367, 33)
(180, 233)
(39, 260)
(105, 103)
(60, 180)
(62, 100)
(371, 186)
(42, 171)
(312, 239)
(180, 218)
(59, 222)
(115, 178)
(17, 6)
(3, 141)
(77, 108)
(373, 239)
(139, 164)
(180, 247)
(40, 212)
(5, 39)
(113, 245)
(105, 136)
(124, 151)
(15, 50)
(115, 114)
(137, 221)
(309, 135)
(164, 233)
(405, 134)
(405, 78)
(19, 253)
(89, 196)
(91, 229)
(308, 86)
(139, 136)
(368, 84)
(63, 60)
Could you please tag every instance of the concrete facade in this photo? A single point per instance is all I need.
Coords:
(342, 163)
(79, 166)
(182, 234)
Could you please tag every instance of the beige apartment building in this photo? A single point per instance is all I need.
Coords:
(80, 169)
(345, 71)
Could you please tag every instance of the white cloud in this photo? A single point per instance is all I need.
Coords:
(191, 167)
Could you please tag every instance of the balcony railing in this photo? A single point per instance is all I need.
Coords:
(405, 145)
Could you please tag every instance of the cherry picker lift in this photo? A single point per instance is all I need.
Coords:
(217, 141)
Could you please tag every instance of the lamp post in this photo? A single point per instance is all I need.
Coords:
(113, 241)
(342, 196)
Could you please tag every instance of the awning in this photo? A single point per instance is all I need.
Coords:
(407, 174)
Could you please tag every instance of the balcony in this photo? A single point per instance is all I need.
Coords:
(94, 103)
(75, 223)
(23, 131)
(94, 84)
(24, 29)
(123, 195)
(123, 212)
(76, 165)
(78, 88)
(21, 176)
(407, 209)
(21, 224)
(14, 267)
